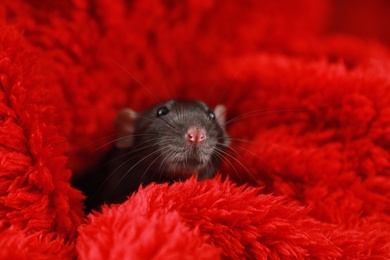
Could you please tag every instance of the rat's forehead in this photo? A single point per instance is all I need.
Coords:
(180, 105)
(192, 104)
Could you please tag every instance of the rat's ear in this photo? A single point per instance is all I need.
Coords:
(124, 124)
(220, 114)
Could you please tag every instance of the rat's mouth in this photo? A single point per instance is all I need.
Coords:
(188, 161)
(187, 165)
(190, 164)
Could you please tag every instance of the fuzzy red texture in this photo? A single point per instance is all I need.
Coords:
(314, 106)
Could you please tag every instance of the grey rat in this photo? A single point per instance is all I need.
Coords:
(171, 141)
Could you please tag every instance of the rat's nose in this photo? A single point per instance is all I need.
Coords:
(196, 135)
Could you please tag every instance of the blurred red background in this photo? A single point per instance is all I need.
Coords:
(369, 19)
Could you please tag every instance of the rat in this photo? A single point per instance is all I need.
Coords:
(168, 142)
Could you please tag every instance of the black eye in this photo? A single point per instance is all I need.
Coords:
(162, 111)
(211, 114)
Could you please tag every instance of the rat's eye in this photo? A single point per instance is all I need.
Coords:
(162, 111)
(211, 114)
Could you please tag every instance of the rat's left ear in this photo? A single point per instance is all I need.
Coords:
(220, 114)
(124, 124)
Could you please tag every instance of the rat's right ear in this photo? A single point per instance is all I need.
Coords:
(124, 124)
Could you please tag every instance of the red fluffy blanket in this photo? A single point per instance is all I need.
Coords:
(307, 93)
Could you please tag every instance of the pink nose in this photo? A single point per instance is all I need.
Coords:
(196, 135)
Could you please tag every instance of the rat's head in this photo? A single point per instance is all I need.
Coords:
(185, 137)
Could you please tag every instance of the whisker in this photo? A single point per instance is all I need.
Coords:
(167, 85)
(96, 141)
(236, 160)
(169, 124)
(132, 76)
(147, 169)
(163, 161)
(263, 143)
(261, 112)
(118, 139)
(109, 176)
(128, 171)
(141, 147)
(233, 78)
(221, 157)
(250, 152)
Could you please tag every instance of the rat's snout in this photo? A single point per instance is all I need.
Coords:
(196, 135)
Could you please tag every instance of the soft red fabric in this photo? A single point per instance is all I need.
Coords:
(308, 96)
